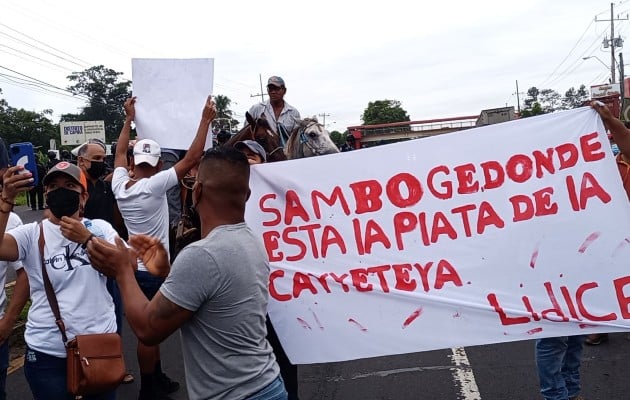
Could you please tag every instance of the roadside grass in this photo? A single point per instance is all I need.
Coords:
(16, 338)
(20, 200)
(22, 317)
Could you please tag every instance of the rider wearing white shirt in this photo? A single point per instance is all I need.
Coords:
(282, 116)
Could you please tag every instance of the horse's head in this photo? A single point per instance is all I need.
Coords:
(309, 139)
(258, 129)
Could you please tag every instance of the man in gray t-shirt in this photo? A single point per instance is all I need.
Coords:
(223, 279)
(216, 291)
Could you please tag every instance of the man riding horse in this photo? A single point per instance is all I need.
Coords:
(282, 116)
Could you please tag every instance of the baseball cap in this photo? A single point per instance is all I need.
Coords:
(69, 169)
(146, 151)
(253, 146)
(275, 81)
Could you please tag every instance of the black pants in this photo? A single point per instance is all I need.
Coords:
(287, 370)
(36, 196)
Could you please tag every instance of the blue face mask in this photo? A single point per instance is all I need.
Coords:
(615, 148)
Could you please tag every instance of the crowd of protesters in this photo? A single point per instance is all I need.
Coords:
(87, 208)
(106, 247)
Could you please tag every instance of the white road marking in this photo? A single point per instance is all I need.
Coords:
(463, 375)
(461, 369)
(381, 374)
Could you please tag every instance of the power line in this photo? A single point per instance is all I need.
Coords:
(598, 78)
(47, 45)
(40, 49)
(12, 80)
(32, 61)
(569, 54)
(74, 33)
(37, 89)
(40, 81)
(613, 41)
(576, 63)
(38, 58)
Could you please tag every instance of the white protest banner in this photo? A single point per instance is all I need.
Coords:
(513, 231)
(171, 94)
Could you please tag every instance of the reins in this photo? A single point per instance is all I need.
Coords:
(304, 141)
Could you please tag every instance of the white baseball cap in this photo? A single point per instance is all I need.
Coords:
(146, 151)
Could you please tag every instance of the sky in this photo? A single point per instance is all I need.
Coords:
(437, 58)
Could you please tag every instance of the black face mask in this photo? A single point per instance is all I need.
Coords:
(96, 170)
(63, 202)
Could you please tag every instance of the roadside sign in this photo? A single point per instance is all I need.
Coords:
(78, 132)
(612, 89)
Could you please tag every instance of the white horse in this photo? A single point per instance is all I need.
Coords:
(309, 139)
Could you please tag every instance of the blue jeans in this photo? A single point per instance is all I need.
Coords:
(4, 366)
(149, 284)
(274, 391)
(114, 291)
(558, 361)
(46, 376)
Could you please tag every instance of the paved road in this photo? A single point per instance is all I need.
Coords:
(494, 372)
(503, 371)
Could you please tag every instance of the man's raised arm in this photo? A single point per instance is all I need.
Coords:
(620, 133)
(123, 139)
(194, 153)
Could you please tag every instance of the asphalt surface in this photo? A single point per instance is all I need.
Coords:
(491, 372)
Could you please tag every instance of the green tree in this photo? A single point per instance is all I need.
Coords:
(550, 100)
(534, 109)
(338, 138)
(575, 98)
(19, 125)
(225, 117)
(546, 101)
(106, 92)
(383, 112)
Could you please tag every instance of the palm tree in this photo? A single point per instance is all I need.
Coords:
(224, 119)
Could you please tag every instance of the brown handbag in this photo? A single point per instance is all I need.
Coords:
(95, 363)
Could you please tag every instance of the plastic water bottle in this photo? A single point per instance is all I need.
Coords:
(94, 230)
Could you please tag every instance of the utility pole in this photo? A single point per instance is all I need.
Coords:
(262, 92)
(518, 99)
(613, 41)
(323, 115)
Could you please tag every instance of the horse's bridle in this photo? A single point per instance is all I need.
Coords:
(304, 141)
(253, 129)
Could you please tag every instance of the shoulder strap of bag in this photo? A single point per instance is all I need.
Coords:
(50, 292)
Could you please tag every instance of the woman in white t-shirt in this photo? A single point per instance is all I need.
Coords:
(84, 303)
